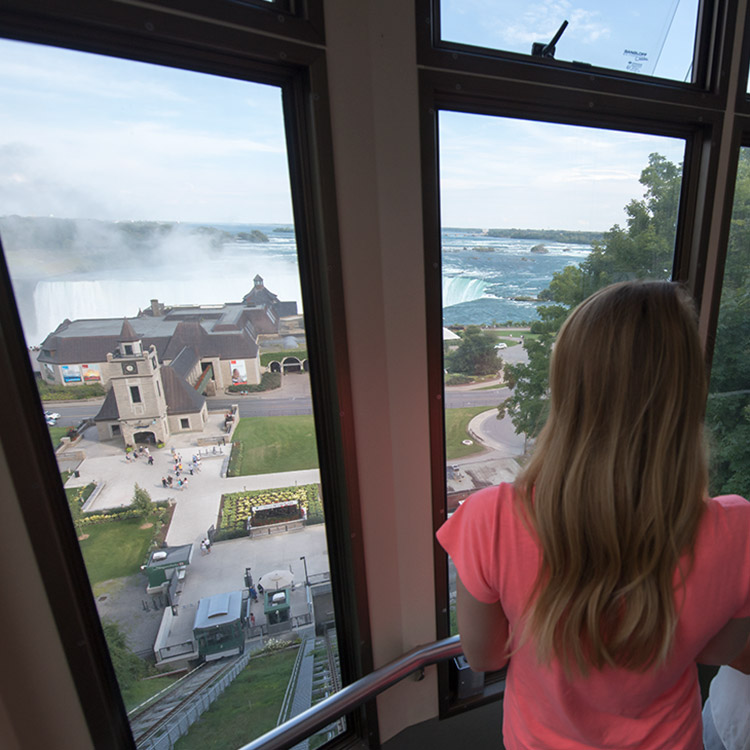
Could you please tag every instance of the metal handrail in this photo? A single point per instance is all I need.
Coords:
(320, 715)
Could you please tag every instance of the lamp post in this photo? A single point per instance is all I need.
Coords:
(307, 579)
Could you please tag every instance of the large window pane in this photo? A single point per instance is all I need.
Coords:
(536, 216)
(643, 36)
(147, 224)
(728, 411)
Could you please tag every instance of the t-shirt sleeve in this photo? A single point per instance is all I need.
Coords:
(470, 537)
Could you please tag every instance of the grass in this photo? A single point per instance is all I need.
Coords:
(267, 357)
(49, 392)
(271, 444)
(55, 433)
(115, 549)
(248, 708)
(142, 690)
(456, 430)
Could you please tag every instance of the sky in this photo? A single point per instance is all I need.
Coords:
(84, 136)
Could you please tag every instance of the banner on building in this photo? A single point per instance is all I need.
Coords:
(239, 372)
(71, 373)
(91, 374)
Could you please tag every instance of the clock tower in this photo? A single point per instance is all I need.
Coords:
(134, 374)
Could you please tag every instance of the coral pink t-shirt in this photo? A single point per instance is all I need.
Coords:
(497, 559)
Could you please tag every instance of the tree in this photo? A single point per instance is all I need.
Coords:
(475, 355)
(643, 249)
(128, 667)
(142, 502)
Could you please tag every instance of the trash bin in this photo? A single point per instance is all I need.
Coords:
(470, 683)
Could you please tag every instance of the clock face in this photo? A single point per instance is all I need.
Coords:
(129, 368)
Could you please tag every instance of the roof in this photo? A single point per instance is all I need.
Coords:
(127, 333)
(109, 408)
(180, 396)
(89, 341)
(218, 609)
(180, 555)
(185, 361)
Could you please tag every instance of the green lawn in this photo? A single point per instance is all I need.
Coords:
(456, 425)
(142, 690)
(55, 433)
(248, 708)
(49, 392)
(115, 549)
(271, 444)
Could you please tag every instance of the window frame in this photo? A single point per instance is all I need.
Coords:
(708, 76)
(459, 78)
(222, 47)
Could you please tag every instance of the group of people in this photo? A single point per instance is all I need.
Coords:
(605, 573)
(206, 546)
(132, 454)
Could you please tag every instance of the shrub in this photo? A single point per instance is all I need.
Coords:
(458, 379)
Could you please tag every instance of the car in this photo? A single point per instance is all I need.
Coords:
(501, 345)
(51, 415)
(51, 421)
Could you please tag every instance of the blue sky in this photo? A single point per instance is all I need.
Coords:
(94, 137)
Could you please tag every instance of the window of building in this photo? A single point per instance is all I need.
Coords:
(116, 430)
(641, 37)
(536, 216)
(158, 388)
(728, 409)
(208, 147)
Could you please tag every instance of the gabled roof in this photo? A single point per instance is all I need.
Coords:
(180, 397)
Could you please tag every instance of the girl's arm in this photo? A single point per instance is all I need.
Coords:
(483, 629)
(727, 645)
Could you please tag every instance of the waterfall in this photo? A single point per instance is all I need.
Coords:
(113, 297)
(457, 289)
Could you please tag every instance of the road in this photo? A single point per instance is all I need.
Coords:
(72, 412)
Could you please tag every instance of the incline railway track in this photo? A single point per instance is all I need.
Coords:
(147, 723)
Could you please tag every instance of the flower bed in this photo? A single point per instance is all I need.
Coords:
(287, 502)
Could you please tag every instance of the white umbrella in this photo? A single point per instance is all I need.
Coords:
(276, 579)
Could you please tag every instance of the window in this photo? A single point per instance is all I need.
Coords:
(240, 142)
(641, 37)
(523, 243)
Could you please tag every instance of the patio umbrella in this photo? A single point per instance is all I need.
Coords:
(276, 579)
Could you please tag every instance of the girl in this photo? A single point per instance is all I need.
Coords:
(605, 572)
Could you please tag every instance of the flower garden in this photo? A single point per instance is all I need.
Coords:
(263, 507)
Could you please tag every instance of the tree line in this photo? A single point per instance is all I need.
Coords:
(644, 249)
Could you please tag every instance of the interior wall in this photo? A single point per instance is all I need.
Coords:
(38, 701)
(374, 111)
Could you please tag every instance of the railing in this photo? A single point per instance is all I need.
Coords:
(354, 695)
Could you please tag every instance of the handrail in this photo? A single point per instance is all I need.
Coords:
(320, 715)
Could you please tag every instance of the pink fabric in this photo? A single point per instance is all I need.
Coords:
(497, 559)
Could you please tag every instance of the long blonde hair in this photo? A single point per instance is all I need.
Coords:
(616, 486)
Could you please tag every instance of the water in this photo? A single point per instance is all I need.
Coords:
(497, 283)
(494, 279)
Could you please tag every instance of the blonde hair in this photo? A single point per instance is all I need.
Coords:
(616, 486)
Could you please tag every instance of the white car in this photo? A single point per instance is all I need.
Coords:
(501, 345)
(51, 415)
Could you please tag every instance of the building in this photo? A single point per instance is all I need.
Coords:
(365, 82)
(224, 338)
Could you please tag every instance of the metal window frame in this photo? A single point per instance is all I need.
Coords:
(138, 31)
(460, 78)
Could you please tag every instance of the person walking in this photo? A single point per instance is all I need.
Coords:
(605, 572)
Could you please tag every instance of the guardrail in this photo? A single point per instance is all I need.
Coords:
(320, 715)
